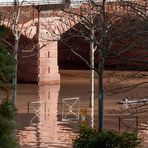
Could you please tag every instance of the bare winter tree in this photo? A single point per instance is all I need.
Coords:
(23, 37)
(114, 31)
(16, 16)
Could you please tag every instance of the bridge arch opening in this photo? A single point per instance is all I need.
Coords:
(66, 58)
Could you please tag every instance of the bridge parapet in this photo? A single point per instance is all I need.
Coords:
(4, 3)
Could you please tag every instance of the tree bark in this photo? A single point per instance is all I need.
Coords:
(101, 96)
(92, 73)
(16, 46)
(14, 93)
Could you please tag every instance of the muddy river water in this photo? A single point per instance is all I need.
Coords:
(48, 116)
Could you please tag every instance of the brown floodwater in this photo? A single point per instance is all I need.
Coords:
(49, 116)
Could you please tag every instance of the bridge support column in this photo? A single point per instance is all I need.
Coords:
(48, 70)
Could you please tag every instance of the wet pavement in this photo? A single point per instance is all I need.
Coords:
(50, 116)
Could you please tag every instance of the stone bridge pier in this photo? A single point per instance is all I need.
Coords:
(51, 26)
(48, 71)
(50, 30)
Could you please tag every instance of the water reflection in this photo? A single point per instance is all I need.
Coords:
(39, 111)
(45, 128)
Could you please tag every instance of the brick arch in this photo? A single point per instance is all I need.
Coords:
(69, 60)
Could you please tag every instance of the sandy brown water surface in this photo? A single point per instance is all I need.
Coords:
(46, 119)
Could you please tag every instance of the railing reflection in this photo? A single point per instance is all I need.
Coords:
(36, 107)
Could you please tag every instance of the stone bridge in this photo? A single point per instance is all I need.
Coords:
(40, 27)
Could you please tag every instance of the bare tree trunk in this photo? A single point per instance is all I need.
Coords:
(16, 46)
(92, 84)
(14, 93)
(101, 67)
(92, 73)
(101, 96)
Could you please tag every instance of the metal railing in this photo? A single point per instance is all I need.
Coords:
(47, 2)
(32, 2)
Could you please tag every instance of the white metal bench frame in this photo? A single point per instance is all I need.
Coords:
(70, 108)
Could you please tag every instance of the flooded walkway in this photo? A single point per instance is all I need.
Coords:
(49, 116)
(41, 123)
